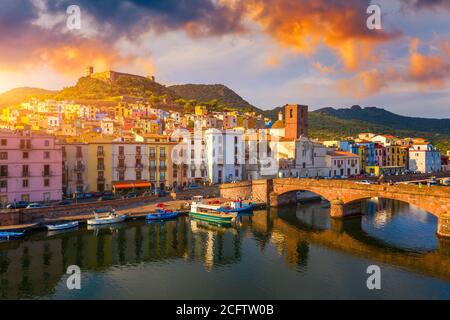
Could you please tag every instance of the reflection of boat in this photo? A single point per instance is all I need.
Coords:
(6, 235)
(206, 212)
(237, 207)
(112, 217)
(208, 224)
(63, 226)
(162, 214)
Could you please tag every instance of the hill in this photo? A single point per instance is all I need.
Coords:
(383, 117)
(110, 85)
(17, 96)
(329, 127)
(205, 93)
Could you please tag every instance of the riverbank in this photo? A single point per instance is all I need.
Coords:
(134, 213)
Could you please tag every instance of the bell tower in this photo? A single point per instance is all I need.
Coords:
(296, 121)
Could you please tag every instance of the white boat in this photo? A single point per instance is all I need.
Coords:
(63, 226)
(111, 218)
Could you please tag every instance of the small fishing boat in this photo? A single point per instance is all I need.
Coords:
(7, 235)
(63, 226)
(162, 214)
(111, 218)
(206, 212)
(237, 206)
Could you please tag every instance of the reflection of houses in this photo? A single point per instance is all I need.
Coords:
(213, 245)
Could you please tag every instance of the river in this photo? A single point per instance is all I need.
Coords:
(288, 253)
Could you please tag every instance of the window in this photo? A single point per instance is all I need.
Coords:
(4, 142)
(138, 175)
(3, 155)
(46, 143)
(4, 184)
(46, 155)
(4, 171)
(24, 183)
(162, 152)
(152, 152)
(46, 182)
(162, 176)
(236, 173)
(25, 155)
(25, 170)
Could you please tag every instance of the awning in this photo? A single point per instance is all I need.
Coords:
(130, 185)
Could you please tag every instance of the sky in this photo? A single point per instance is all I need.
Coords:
(271, 52)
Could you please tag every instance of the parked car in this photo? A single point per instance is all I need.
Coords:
(131, 195)
(35, 205)
(107, 197)
(88, 195)
(64, 202)
(97, 194)
(78, 196)
(364, 182)
(18, 205)
(193, 186)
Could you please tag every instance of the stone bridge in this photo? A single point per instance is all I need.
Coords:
(345, 196)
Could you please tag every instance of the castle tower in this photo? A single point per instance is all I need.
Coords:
(296, 121)
(89, 71)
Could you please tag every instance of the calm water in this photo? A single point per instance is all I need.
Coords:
(289, 253)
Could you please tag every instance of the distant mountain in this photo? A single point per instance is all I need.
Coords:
(329, 123)
(205, 93)
(383, 117)
(17, 96)
(110, 85)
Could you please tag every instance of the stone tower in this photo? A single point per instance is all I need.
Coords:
(296, 121)
(89, 71)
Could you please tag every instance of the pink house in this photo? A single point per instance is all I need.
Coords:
(30, 167)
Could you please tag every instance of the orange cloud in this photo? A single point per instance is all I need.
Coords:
(429, 71)
(363, 84)
(323, 69)
(307, 25)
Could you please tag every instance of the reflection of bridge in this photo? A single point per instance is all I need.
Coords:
(340, 237)
(343, 194)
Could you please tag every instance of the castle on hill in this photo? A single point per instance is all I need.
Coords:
(110, 75)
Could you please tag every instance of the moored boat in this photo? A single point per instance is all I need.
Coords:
(7, 235)
(162, 214)
(62, 226)
(237, 206)
(111, 218)
(202, 211)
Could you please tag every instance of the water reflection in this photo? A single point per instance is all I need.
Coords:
(272, 248)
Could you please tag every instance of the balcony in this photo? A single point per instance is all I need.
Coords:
(162, 156)
(139, 167)
(163, 168)
(46, 173)
(25, 174)
(121, 168)
(152, 155)
(121, 156)
(100, 167)
(152, 178)
(25, 146)
(79, 168)
(100, 180)
(138, 156)
(100, 154)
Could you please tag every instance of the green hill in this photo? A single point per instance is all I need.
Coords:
(383, 117)
(17, 96)
(205, 93)
(91, 88)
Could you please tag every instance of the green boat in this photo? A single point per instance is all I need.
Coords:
(206, 212)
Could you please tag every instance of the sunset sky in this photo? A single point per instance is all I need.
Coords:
(271, 52)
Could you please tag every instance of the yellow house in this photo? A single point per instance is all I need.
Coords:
(100, 168)
(201, 110)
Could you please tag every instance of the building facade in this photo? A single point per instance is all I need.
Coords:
(30, 167)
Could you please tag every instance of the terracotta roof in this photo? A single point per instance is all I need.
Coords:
(338, 153)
